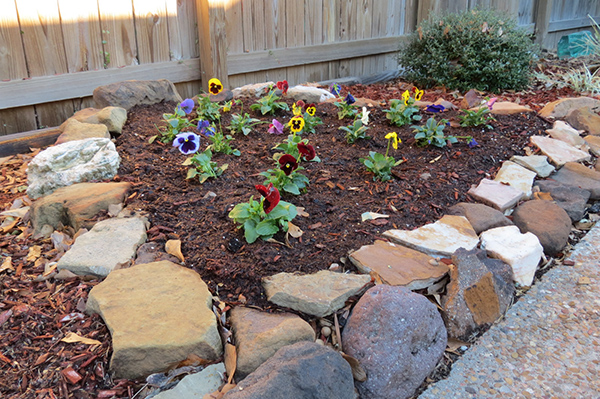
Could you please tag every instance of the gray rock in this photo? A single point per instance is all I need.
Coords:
(479, 293)
(574, 174)
(398, 337)
(309, 94)
(195, 386)
(109, 245)
(481, 217)
(572, 199)
(536, 163)
(74, 205)
(158, 314)
(258, 335)
(112, 117)
(69, 163)
(75, 130)
(130, 93)
(305, 370)
(548, 221)
(319, 294)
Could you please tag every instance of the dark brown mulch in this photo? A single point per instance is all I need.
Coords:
(36, 314)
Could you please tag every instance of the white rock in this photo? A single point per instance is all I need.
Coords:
(309, 94)
(516, 176)
(536, 163)
(440, 238)
(564, 132)
(256, 89)
(558, 151)
(195, 386)
(496, 195)
(72, 162)
(521, 251)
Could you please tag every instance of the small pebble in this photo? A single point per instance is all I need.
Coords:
(319, 341)
(433, 262)
(326, 331)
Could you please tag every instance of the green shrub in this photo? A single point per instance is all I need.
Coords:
(477, 49)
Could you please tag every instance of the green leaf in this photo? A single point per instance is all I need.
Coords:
(151, 139)
(291, 188)
(266, 228)
(240, 211)
(191, 173)
(250, 233)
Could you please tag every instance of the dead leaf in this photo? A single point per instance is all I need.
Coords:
(376, 278)
(358, 372)
(9, 224)
(542, 196)
(302, 212)
(435, 159)
(230, 361)
(173, 247)
(34, 253)
(315, 225)
(484, 27)
(17, 213)
(454, 344)
(294, 230)
(72, 338)
(6, 264)
(192, 360)
(372, 216)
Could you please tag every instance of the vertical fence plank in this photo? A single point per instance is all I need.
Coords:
(151, 29)
(295, 37)
(330, 32)
(313, 35)
(275, 34)
(543, 11)
(213, 41)
(235, 36)
(82, 34)
(183, 34)
(118, 33)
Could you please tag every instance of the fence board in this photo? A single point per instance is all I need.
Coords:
(152, 31)
(295, 37)
(313, 35)
(183, 35)
(12, 56)
(331, 23)
(118, 33)
(80, 24)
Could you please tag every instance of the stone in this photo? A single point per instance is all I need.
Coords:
(572, 199)
(479, 293)
(536, 163)
(398, 265)
(446, 104)
(195, 386)
(593, 142)
(398, 337)
(252, 90)
(304, 370)
(109, 245)
(157, 314)
(319, 294)
(506, 108)
(309, 94)
(440, 238)
(585, 119)
(153, 252)
(577, 175)
(471, 99)
(75, 205)
(258, 335)
(481, 217)
(548, 221)
(560, 108)
(564, 132)
(75, 130)
(130, 93)
(558, 151)
(69, 163)
(521, 251)
(497, 195)
(113, 118)
(517, 177)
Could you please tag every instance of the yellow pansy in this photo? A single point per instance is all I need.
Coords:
(215, 86)
(227, 106)
(418, 94)
(406, 97)
(394, 137)
(296, 110)
(296, 124)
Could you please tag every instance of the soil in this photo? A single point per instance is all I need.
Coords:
(37, 312)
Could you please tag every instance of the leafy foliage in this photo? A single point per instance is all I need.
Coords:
(292, 183)
(381, 165)
(256, 223)
(207, 109)
(268, 104)
(401, 114)
(476, 49)
(204, 168)
(243, 123)
(355, 131)
(176, 123)
(432, 133)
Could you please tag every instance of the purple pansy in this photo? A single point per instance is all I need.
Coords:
(205, 128)
(187, 142)
(435, 108)
(335, 89)
(349, 99)
(187, 105)
(276, 127)
(472, 143)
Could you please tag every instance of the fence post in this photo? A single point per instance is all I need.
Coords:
(543, 10)
(212, 39)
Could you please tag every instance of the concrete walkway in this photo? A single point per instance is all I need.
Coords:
(548, 346)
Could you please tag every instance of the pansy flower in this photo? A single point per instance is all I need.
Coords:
(394, 137)
(297, 108)
(335, 89)
(227, 106)
(288, 164)
(310, 109)
(435, 108)
(283, 86)
(186, 105)
(202, 126)
(215, 86)
(418, 93)
(187, 142)
(296, 124)
(349, 99)
(365, 116)
(276, 127)
(271, 196)
(490, 103)
(472, 143)
(406, 97)
(307, 151)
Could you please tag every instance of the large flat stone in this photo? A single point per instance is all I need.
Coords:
(130, 93)
(112, 117)
(398, 265)
(517, 177)
(495, 194)
(577, 175)
(481, 217)
(507, 108)
(319, 294)
(309, 94)
(594, 143)
(440, 238)
(109, 245)
(158, 314)
(75, 130)
(521, 251)
(560, 108)
(585, 119)
(73, 205)
(564, 132)
(536, 163)
(558, 151)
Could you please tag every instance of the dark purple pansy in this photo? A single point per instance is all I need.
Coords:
(472, 143)
(187, 142)
(335, 89)
(349, 99)
(271, 195)
(307, 151)
(288, 164)
(435, 108)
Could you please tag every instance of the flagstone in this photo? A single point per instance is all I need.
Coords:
(398, 265)
(75, 130)
(594, 143)
(481, 217)
(495, 194)
(572, 199)
(197, 385)
(560, 108)
(536, 163)
(564, 132)
(506, 108)
(585, 119)
(440, 238)
(558, 151)
(578, 175)
(517, 177)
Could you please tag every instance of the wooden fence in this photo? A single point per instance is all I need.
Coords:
(53, 53)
